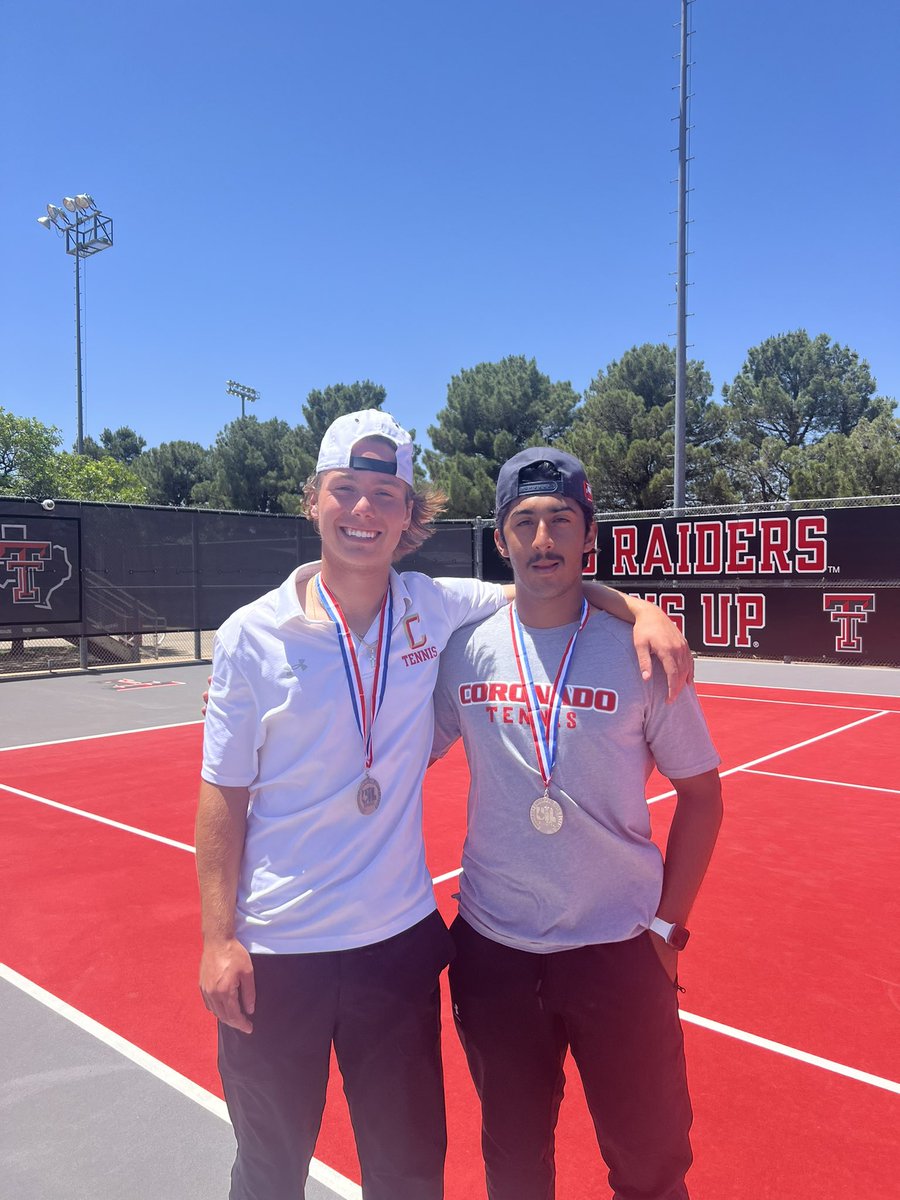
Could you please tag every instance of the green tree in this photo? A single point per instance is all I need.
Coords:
(122, 444)
(798, 389)
(323, 406)
(865, 462)
(493, 410)
(78, 477)
(28, 449)
(246, 468)
(624, 433)
(171, 471)
(326, 405)
(791, 392)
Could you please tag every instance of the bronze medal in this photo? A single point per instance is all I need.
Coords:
(546, 815)
(368, 796)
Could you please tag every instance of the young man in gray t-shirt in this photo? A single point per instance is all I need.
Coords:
(570, 921)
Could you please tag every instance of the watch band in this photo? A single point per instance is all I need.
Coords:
(672, 934)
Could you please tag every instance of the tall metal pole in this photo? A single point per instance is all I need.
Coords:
(79, 391)
(681, 284)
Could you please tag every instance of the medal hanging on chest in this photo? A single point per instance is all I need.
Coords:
(365, 708)
(546, 813)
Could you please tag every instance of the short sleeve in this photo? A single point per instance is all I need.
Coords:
(677, 733)
(470, 600)
(231, 730)
(446, 714)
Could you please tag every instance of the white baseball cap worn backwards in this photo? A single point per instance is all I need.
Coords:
(342, 435)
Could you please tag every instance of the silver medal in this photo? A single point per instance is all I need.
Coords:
(546, 815)
(368, 796)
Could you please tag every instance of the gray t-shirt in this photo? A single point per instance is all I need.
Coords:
(599, 878)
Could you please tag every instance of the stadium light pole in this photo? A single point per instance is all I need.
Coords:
(680, 465)
(244, 393)
(87, 231)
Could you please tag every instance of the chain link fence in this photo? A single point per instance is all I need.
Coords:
(49, 655)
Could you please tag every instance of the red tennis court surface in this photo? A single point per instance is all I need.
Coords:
(792, 1008)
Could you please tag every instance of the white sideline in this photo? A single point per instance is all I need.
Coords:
(88, 816)
(814, 1060)
(318, 1170)
(95, 737)
(793, 703)
(786, 750)
(862, 787)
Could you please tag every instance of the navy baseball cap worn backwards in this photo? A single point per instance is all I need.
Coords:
(543, 471)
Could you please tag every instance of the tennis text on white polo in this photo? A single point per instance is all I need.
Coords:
(419, 656)
(731, 546)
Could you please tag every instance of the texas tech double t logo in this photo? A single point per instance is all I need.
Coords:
(849, 610)
(32, 568)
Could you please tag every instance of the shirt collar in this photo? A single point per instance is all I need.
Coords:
(287, 605)
(289, 608)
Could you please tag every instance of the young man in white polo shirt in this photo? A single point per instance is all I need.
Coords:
(561, 882)
(319, 919)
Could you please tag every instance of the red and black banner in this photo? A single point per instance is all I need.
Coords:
(818, 585)
(821, 585)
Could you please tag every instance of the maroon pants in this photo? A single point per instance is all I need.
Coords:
(616, 1009)
(380, 1007)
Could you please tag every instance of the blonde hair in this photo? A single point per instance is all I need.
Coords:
(427, 505)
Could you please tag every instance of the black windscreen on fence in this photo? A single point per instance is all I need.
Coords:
(810, 583)
(93, 569)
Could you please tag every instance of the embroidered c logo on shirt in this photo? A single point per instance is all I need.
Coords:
(414, 642)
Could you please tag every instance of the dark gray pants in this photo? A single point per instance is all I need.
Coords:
(379, 1006)
(616, 1009)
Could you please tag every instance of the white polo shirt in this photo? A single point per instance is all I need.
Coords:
(316, 874)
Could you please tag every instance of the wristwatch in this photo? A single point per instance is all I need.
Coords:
(673, 935)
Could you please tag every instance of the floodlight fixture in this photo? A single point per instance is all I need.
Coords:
(90, 232)
(244, 394)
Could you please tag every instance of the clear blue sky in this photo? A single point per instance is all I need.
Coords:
(309, 192)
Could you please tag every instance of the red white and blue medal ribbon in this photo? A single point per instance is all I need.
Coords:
(546, 815)
(365, 709)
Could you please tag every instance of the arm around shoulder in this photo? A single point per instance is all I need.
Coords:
(654, 634)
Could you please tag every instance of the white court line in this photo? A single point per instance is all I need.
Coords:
(449, 875)
(813, 1060)
(94, 737)
(784, 687)
(153, 837)
(863, 787)
(794, 703)
(88, 816)
(785, 750)
(318, 1170)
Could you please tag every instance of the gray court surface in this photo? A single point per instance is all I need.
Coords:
(59, 707)
(79, 1120)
